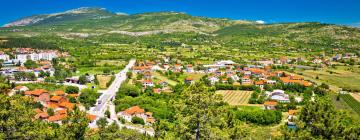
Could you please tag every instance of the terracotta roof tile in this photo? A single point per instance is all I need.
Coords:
(57, 117)
(134, 110)
(56, 98)
(272, 103)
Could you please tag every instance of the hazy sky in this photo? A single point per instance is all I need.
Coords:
(326, 11)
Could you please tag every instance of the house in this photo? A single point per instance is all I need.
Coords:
(4, 56)
(21, 88)
(293, 79)
(59, 93)
(136, 111)
(163, 83)
(317, 61)
(247, 73)
(291, 118)
(22, 57)
(189, 68)
(177, 68)
(213, 79)
(147, 83)
(91, 117)
(224, 80)
(149, 118)
(67, 105)
(270, 105)
(260, 84)
(212, 69)
(131, 112)
(157, 90)
(57, 99)
(234, 77)
(278, 95)
(265, 62)
(189, 80)
(57, 118)
(270, 82)
(147, 75)
(41, 114)
(40, 95)
(246, 80)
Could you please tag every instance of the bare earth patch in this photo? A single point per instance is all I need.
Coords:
(103, 79)
(356, 96)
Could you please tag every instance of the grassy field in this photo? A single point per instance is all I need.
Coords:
(235, 97)
(195, 76)
(163, 78)
(341, 76)
(103, 80)
(354, 104)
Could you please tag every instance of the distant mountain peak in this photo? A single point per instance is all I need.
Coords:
(82, 12)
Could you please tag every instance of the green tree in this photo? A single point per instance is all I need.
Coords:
(16, 119)
(30, 64)
(320, 120)
(88, 97)
(129, 75)
(74, 126)
(50, 112)
(102, 122)
(82, 79)
(71, 89)
(198, 112)
(137, 120)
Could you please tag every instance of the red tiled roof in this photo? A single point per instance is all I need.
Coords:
(292, 112)
(272, 103)
(261, 82)
(38, 92)
(189, 79)
(19, 87)
(57, 117)
(134, 110)
(52, 105)
(147, 81)
(37, 110)
(56, 98)
(59, 92)
(91, 117)
(62, 111)
(67, 105)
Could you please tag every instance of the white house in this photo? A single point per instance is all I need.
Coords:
(278, 95)
(147, 83)
(4, 57)
(136, 111)
(213, 79)
(22, 57)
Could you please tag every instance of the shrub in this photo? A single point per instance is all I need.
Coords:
(137, 120)
(71, 89)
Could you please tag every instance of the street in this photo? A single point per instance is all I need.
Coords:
(106, 96)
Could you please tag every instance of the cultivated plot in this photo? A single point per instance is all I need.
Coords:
(235, 97)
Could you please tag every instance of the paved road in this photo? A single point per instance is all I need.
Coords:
(110, 93)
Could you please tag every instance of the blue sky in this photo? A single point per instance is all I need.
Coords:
(326, 11)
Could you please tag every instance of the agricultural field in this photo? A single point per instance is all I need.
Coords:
(354, 104)
(339, 77)
(103, 80)
(235, 97)
(163, 78)
(356, 96)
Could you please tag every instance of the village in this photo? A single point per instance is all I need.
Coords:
(267, 83)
